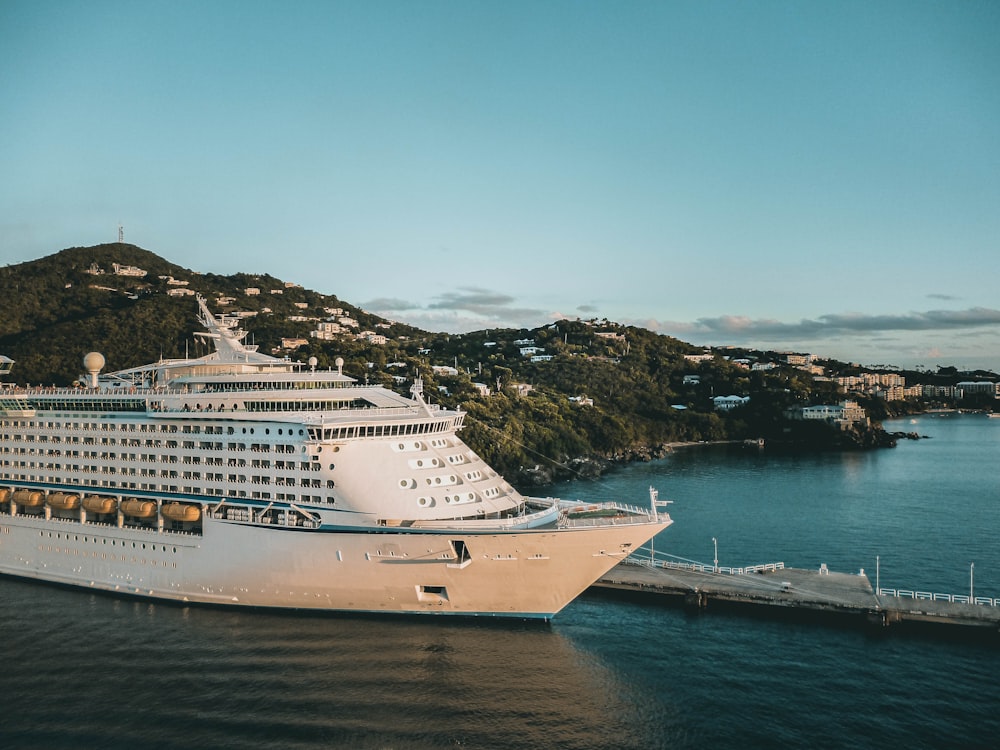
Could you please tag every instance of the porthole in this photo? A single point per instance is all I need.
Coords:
(403, 483)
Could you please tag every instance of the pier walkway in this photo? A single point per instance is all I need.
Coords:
(774, 589)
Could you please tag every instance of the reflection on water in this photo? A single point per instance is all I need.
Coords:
(129, 673)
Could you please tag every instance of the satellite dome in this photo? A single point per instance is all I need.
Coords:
(93, 362)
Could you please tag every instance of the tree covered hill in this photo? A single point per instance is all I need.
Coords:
(600, 392)
(58, 308)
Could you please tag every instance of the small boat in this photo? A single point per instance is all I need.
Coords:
(98, 504)
(181, 512)
(134, 508)
(4, 495)
(63, 501)
(29, 498)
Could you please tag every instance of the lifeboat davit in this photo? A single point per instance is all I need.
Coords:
(29, 498)
(98, 504)
(138, 508)
(63, 501)
(181, 512)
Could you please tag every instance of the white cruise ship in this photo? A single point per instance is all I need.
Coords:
(242, 479)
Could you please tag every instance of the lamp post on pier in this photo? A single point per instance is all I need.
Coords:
(972, 570)
(715, 544)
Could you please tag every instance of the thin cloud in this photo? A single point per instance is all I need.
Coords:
(736, 328)
(389, 304)
(468, 309)
(472, 299)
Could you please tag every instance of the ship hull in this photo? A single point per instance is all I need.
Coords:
(527, 574)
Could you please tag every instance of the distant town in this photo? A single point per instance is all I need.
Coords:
(331, 324)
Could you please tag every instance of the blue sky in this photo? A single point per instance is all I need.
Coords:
(816, 176)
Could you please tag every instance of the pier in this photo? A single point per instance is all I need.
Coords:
(792, 592)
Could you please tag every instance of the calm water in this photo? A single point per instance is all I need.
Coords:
(82, 670)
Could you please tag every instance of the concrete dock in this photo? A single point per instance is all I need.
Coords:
(793, 592)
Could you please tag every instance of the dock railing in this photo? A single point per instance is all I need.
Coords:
(928, 596)
(643, 558)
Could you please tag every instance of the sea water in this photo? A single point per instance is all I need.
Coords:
(79, 669)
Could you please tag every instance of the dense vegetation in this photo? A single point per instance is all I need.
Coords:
(56, 310)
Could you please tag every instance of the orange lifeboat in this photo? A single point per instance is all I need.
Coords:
(5, 494)
(181, 512)
(98, 504)
(63, 501)
(29, 498)
(138, 508)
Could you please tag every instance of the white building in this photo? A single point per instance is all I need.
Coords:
(728, 403)
(972, 388)
(845, 414)
(121, 270)
(698, 357)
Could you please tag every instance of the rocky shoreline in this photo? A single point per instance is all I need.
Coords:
(593, 467)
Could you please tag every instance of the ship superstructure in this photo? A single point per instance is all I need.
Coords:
(245, 479)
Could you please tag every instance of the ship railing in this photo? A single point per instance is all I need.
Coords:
(983, 601)
(604, 514)
(90, 522)
(582, 507)
(642, 558)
